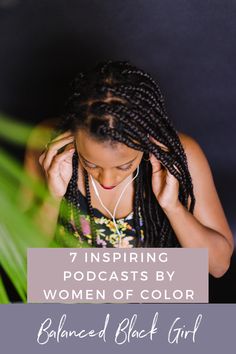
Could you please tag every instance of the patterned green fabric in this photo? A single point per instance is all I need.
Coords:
(106, 235)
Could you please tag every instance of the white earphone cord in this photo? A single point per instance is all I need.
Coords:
(117, 203)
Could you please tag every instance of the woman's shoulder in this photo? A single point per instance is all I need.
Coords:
(192, 148)
(187, 141)
(41, 134)
(198, 163)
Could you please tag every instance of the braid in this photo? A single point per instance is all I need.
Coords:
(91, 211)
(69, 215)
(137, 198)
(116, 101)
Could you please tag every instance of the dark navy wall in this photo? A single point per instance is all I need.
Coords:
(189, 46)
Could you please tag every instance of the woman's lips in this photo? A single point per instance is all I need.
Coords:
(107, 187)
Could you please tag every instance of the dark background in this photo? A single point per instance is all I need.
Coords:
(188, 46)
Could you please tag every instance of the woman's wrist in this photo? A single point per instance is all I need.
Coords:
(173, 210)
(47, 215)
(52, 200)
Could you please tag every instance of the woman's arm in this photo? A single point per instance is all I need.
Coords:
(48, 209)
(207, 227)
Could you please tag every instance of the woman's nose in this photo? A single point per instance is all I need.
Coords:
(107, 179)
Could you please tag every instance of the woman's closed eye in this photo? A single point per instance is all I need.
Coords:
(125, 168)
(89, 165)
(122, 168)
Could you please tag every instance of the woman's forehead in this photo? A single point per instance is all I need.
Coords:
(103, 152)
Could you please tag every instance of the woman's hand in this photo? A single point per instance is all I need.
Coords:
(58, 165)
(164, 185)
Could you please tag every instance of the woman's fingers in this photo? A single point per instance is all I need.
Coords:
(56, 161)
(156, 165)
(60, 172)
(158, 175)
(41, 158)
(165, 148)
(176, 168)
(65, 156)
(47, 157)
(63, 135)
(171, 179)
(58, 143)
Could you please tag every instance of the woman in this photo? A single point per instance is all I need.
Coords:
(119, 174)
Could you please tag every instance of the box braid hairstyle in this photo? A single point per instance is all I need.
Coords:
(119, 102)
